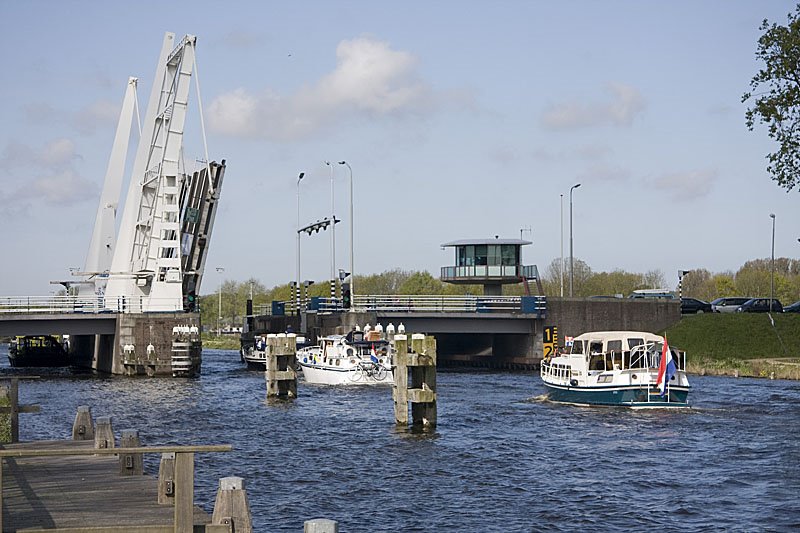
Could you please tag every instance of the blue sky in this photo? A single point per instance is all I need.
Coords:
(459, 119)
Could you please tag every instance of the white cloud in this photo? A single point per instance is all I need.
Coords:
(620, 110)
(86, 121)
(370, 79)
(686, 185)
(46, 175)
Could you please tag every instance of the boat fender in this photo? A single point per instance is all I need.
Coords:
(337, 362)
(573, 382)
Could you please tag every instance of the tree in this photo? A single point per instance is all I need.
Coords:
(776, 89)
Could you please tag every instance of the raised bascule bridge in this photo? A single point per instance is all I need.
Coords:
(131, 310)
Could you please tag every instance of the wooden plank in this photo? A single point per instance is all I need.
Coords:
(41, 450)
(84, 493)
(184, 492)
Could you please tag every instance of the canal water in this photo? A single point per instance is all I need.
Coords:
(501, 459)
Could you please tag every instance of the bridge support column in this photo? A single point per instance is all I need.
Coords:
(420, 358)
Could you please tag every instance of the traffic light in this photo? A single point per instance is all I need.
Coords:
(346, 295)
(190, 302)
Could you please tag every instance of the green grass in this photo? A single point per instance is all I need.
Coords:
(737, 335)
(220, 342)
(734, 343)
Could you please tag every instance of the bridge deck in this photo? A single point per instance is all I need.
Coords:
(53, 493)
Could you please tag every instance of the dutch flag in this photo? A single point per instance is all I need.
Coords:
(666, 369)
(372, 355)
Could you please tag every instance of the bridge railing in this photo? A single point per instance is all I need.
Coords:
(60, 304)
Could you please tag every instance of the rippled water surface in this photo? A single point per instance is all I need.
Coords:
(500, 459)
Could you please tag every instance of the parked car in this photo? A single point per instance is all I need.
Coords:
(693, 305)
(794, 308)
(728, 305)
(760, 305)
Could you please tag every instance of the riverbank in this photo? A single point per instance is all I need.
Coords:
(740, 344)
(220, 342)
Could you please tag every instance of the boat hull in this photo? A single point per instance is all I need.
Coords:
(624, 396)
(331, 375)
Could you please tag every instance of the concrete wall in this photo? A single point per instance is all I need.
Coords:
(574, 316)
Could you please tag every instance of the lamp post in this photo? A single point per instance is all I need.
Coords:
(297, 270)
(571, 265)
(352, 272)
(219, 309)
(772, 265)
(333, 238)
(681, 273)
(561, 266)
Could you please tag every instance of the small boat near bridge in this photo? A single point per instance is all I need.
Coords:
(618, 368)
(352, 359)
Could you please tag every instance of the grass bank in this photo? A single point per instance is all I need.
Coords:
(220, 342)
(744, 344)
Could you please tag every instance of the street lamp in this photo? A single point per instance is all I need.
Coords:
(571, 265)
(297, 270)
(772, 267)
(219, 309)
(333, 238)
(352, 272)
(561, 266)
(681, 273)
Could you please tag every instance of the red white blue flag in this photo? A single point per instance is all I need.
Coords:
(666, 369)
(372, 355)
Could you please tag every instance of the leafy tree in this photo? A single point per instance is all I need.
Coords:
(421, 283)
(776, 92)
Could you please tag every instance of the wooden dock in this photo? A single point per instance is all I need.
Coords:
(72, 487)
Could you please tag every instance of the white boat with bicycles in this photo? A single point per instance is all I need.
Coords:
(351, 359)
(618, 368)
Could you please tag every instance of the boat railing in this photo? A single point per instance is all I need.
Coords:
(560, 372)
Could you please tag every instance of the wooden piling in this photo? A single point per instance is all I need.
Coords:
(104, 433)
(130, 464)
(83, 427)
(166, 479)
(280, 374)
(321, 525)
(420, 359)
(231, 505)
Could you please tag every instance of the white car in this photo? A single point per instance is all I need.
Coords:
(727, 305)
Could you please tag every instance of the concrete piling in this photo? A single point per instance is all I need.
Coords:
(420, 359)
(281, 357)
(130, 464)
(104, 433)
(231, 506)
(166, 479)
(321, 525)
(83, 427)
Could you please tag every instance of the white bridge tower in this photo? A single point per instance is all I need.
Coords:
(159, 253)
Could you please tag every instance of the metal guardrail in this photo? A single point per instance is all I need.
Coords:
(489, 271)
(421, 304)
(82, 304)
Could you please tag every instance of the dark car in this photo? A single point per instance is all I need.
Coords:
(760, 305)
(693, 305)
(794, 308)
(728, 305)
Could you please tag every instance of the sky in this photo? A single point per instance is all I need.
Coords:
(459, 119)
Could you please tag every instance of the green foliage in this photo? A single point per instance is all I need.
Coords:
(776, 89)
(421, 283)
(719, 337)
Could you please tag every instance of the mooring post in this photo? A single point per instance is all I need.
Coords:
(422, 391)
(420, 358)
(231, 504)
(166, 479)
(321, 525)
(83, 427)
(400, 390)
(184, 492)
(130, 464)
(281, 356)
(104, 433)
